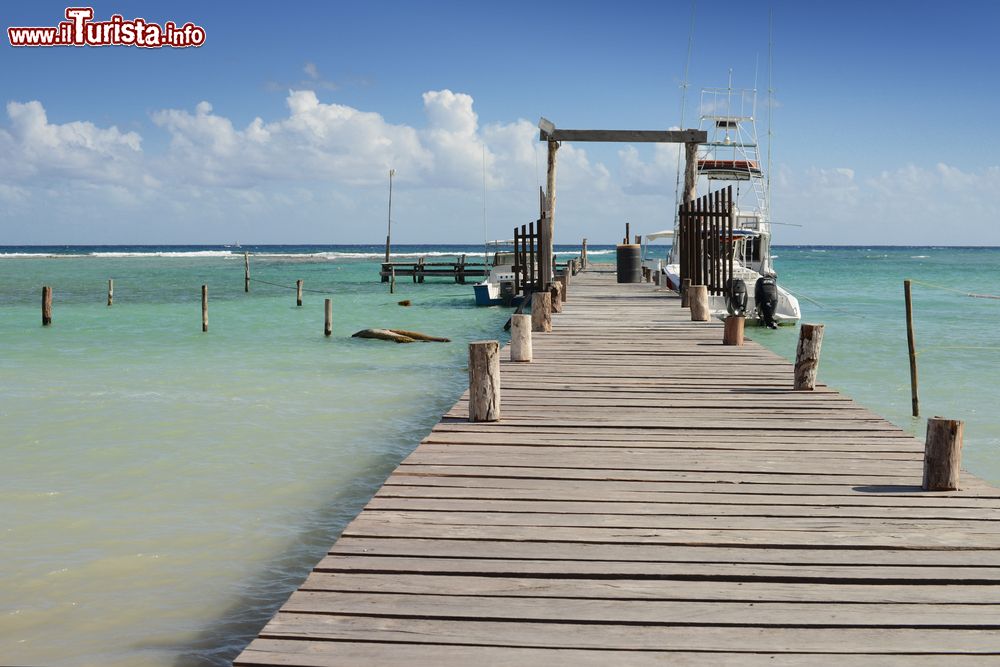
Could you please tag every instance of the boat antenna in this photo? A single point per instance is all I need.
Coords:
(770, 106)
(388, 231)
(684, 87)
(486, 228)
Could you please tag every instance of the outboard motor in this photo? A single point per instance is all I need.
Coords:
(765, 294)
(736, 296)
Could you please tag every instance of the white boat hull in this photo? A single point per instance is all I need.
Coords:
(787, 312)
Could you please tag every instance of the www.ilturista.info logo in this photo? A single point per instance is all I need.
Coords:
(81, 30)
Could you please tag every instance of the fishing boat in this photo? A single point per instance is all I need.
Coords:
(731, 157)
(498, 287)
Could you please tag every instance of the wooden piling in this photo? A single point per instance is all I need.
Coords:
(563, 282)
(298, 292)
(807, 356)
(204, 308)
(520, 337)
(328, 317)
(732, 332)
(698, 299)
(583, 255)
(685, 298)
(541, 312)
(912, 346)
(392, 281)
(246, 272)
(111, 291)
(555, 292)
(46, 305)
(942, 454)
(628, 233)
(484, 381)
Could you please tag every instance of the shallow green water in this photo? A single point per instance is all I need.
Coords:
(163, 489)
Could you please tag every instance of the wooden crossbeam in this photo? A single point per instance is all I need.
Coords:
(626, 136)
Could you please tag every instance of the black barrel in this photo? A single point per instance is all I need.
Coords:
(629, 258)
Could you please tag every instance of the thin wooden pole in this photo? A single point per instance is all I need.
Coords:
(545, 249)
(807, 356)
(46, 305)
(484, 381)
(911, 343)
(942, 454)
(328, 317)
(204, 308)
(690, 171)
(246, 272)
(111, 291)
(392, 281)
(532, 239)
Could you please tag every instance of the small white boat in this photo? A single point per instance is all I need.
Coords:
(498, 287)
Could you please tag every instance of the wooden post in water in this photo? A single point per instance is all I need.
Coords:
(555, 292)
(392, 281)
(807, 356)
(246, 272)
(111, 291)
(328, 317)
(942, 454)
(732, 333)
(204, 308)
(520, 337)
(685, 296)
(484, 381)
(912, 345)
(541, 311)
(298, 292)
(698, 298)
(46, 305)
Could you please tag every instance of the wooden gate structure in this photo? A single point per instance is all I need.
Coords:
(527, 277)
(705, 239)
(552, 135)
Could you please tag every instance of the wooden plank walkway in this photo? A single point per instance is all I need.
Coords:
(652, 497)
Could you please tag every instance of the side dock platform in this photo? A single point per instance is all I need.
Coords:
(652, 497)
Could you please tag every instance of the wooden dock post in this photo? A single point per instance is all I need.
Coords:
(520, 337)
(298, 292)
(484, 381)
(807, 356)
(392, 281)
(685, 297)
(732, 333)
(912, 346)
(942, 454)
(246, 272)
(563, 282)
(583, 255)
(555, 292)
(204, 308)
(328, 317)
(46, 305)
(698, 298)
(541, 311)
(111, 291)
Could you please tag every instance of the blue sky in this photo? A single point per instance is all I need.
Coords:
(282, 127)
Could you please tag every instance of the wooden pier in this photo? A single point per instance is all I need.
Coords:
(652, 497)
(458, 271)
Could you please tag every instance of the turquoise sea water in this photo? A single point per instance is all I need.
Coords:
(163, 489)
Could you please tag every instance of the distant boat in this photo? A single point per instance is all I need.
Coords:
(498, 287)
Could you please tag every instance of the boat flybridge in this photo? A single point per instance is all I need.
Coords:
(732, 157)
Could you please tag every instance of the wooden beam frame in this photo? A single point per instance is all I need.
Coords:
(625, 136)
